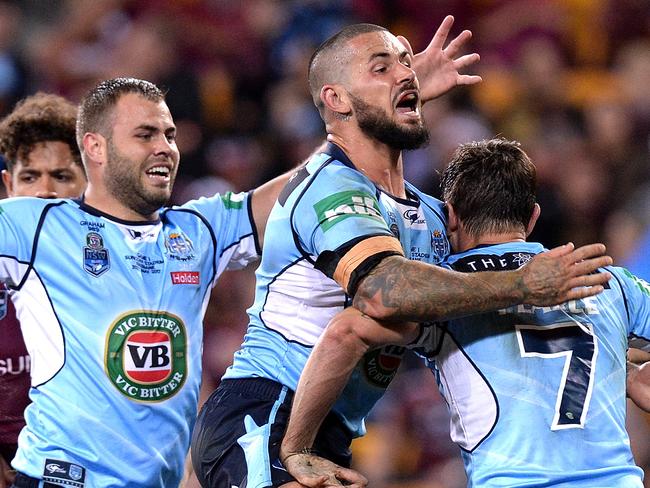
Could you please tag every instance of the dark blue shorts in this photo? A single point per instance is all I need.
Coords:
(237, 437)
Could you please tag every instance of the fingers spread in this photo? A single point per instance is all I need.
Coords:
(441, 34)
(469, 80)
(457, 43)
(466, 60)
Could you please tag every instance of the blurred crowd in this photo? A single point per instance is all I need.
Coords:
(567, 78)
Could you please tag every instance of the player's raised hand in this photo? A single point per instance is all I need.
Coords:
(317, 472)
(438, 67)
(565, 273)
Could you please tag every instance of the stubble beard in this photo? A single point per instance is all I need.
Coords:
(376, 124)
(123, 181)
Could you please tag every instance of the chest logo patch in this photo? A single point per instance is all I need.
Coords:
(179, 246)
(146, 355)
(96, 259)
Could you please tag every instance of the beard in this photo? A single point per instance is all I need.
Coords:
(124, 181)
(376, 124)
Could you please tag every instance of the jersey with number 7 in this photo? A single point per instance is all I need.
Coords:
(537, 394)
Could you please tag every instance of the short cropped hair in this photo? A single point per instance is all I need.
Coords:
(491, 185)
(325, 59)
(96, 107)
(39, 118)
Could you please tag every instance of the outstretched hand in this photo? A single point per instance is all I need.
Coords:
(565, 273)
(317, 472)
(438, 67)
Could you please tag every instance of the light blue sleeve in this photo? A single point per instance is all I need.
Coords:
(636, 293)
(230, 218)
(338, 207)
(19, 220)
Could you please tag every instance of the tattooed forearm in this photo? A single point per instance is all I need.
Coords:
(399, 289)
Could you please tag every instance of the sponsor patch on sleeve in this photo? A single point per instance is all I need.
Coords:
(340, 206)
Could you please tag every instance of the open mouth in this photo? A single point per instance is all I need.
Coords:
(159, 173)
(408, 103)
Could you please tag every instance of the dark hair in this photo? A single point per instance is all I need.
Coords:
(491, 186)
(95, 108)
(324, 57)
(39, 118)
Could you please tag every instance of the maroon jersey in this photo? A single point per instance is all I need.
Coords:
(14, 372)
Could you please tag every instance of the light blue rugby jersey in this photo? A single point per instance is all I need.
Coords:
(327, 206)
(112, 312)
(537, 394)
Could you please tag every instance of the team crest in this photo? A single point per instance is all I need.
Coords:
(146, 355)
(179, 246)
(380, 365)
(96, 258)
(440, 245)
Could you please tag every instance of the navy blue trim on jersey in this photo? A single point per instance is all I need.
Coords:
(256, 238)
(293, 183)
(620, 285)
(266, 298)
(494, 395)
(443, 217)
(98, 213)
(463, 264)
(411, 200)
(296, 240)
(14, 258)
(337, 153)
(37, 234)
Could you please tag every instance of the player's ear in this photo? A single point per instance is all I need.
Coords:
(336, 99)
(8, 182)
(452, 218)
(94, 146)
(533, 219)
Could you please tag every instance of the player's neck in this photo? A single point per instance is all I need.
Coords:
(469, 242)
(108, 204)
(380, 163)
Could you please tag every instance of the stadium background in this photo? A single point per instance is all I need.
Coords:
(567, 78)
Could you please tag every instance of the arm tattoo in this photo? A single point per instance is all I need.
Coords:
(399, 289)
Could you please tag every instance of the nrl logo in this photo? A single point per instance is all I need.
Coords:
(146, 355)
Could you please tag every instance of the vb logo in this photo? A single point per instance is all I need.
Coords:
(146, 355)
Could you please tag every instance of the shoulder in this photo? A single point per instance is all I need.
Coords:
(20, 208)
